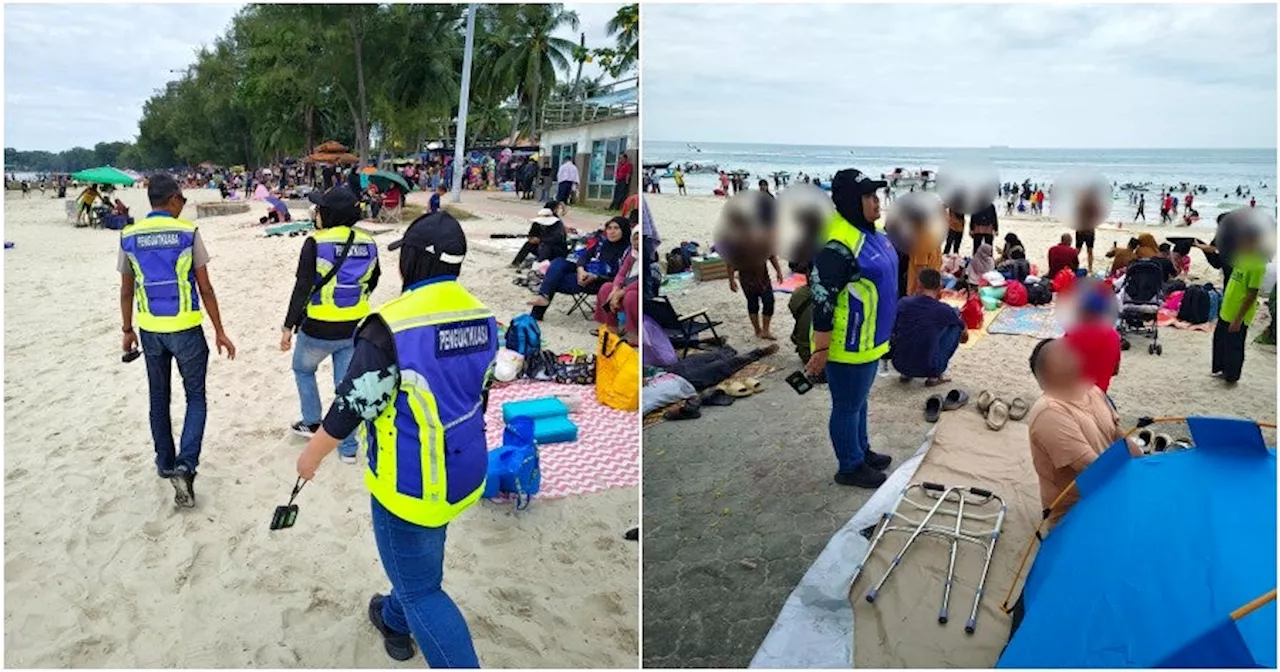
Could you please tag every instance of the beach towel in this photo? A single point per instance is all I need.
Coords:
(791, 283)
(289, 228)
(1035, 321)
(606, 454)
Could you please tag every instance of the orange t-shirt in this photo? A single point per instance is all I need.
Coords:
(1067, 435)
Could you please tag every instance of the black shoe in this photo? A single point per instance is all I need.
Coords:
(862, 477)
(538, 312)
(165, 473)
(184, 493)
(399, 646)
(303, 429)
(877, 461)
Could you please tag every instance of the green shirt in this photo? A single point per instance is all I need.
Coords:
(1246, 275)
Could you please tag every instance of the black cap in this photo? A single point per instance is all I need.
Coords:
(339, 197)
(854, 181)
(161, 187)
(437, 233)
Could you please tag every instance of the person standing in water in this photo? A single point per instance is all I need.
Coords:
(418, 382)
(337, 271)
(1142, 206)
(163, 267)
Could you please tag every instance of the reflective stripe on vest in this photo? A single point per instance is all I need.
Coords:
(858, 317)
(344, 298)
(161, 252)
(427, 455)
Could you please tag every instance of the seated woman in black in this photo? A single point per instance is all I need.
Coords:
(593, 266)
(547, 236)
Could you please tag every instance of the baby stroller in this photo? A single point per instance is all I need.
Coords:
(1140, 301)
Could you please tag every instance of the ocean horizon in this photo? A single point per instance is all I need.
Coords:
(1220, 170)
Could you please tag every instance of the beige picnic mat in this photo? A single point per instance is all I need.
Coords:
(901, 628)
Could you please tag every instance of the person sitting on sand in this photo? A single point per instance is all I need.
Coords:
(1121, 256)
(1069, 426)
(1012, 245)
(594, 264)
(982, 262)
(1063, 255)
(120, 208)
(621, 296)
(1094, 338)
(926, 332)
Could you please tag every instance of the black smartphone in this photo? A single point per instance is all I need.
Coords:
(284, 517)
(800, 382)
(130, 356)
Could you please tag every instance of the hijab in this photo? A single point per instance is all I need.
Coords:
(981, 263)
(1147, 247)
(609, 252)
(417, 265)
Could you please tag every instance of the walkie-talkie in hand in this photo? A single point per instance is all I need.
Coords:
(799, 381)
(285, 516)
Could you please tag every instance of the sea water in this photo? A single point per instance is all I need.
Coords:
(1221, 170)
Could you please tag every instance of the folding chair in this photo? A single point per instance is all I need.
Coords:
(685, 331)
(584, 303)
(390, 212)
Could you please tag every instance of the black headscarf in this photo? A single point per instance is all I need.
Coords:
(849, 204)
(417, 265)
(610, 252)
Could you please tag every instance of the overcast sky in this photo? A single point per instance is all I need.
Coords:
(1113, 76)
(79, 74)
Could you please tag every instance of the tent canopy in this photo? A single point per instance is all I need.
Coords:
(1145, 570)
(103, 175)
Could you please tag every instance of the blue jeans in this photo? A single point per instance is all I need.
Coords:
(562, 277)
(308, 352)
(413, 557)
(948, 342)
(850, 384)
(191, 351)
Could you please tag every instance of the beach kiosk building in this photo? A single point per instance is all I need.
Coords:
(595, 131)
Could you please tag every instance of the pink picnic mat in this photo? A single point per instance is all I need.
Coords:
(606, 454)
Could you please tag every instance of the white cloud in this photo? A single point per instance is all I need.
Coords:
(962, 75)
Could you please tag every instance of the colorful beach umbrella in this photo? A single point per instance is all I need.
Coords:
(384, 180)
(104, 175)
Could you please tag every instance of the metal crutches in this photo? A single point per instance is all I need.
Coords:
(897, 559)
(951, 564)
(972, 624)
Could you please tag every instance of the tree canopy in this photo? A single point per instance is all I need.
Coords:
(285, 77)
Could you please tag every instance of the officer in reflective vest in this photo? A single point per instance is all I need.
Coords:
(330, 297)
(162, 265)
(417, 386)
(855, 296)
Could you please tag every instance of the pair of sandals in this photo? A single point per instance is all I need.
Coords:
(935, 405)
(1159, 443)
(997, 412)
(721, 395)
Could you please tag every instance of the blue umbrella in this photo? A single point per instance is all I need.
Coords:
(1147, 567)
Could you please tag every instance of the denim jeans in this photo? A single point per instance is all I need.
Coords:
(948, 342)
(850, 384)
(191, 351)
(308, 352)
(413, 557)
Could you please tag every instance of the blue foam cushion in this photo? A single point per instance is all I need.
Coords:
(554, 430)
(543, 407)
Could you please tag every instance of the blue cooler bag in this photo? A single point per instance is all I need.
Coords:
(513, 468)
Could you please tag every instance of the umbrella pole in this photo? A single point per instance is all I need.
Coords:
(1253, 606)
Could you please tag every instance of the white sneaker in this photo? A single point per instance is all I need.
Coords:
(347, 459)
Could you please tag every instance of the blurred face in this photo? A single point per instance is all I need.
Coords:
(871, 207)
(635, 240)
(1061, 366)
(613, 232)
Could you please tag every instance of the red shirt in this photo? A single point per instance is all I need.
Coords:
(1060, 257)
(623, 172)
(1098, 346)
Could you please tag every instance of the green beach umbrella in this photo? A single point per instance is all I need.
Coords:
(103, 175)
(384, 178)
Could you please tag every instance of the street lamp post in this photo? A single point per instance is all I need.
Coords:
(459, 145)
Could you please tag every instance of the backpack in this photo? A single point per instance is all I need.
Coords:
(676, 262)
(1015, 294)
(524, 335)
(1195, 306)
(972, 312)
(1039, 293)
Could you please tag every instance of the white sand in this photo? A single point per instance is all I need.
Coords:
(101, 570)
(1177, 384)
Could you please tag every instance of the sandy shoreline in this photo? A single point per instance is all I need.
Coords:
(102, 571)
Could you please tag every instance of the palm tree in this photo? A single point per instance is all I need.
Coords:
(625, 27)
(535, 54)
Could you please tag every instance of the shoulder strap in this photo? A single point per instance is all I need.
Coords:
(337, 265)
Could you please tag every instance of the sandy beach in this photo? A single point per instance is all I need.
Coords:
(101, 570)
(1176, 384)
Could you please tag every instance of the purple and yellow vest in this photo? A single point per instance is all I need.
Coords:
(345, 298)
(427, 451)
(161, 251)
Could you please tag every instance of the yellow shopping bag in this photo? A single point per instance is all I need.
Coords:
(617, 373)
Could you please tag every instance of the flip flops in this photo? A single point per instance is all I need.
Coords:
(984, 400)
(735, 388)
(932, 408)
(997, 415)
(955, 399)
(1145, 438)
(754, 385)
(1161, 443)
(1018, 409)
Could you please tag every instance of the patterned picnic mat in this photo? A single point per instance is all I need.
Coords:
(1036, 321)
(606, 454)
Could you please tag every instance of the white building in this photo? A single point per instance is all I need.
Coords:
(595, 132)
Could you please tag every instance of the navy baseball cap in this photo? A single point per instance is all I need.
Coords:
(439, 234)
